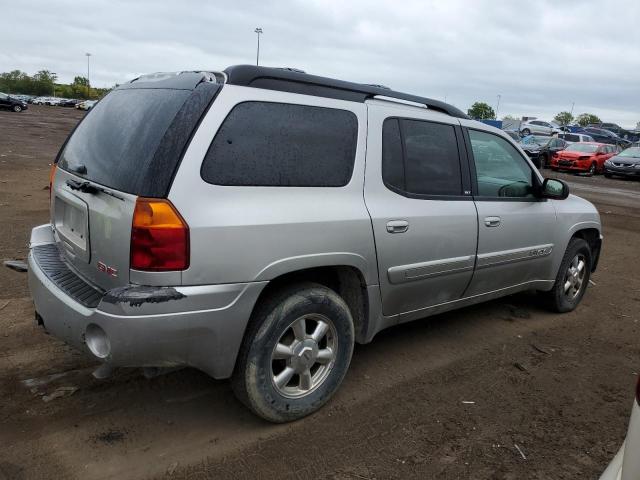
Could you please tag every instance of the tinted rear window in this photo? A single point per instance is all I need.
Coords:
(118, 139)
(277, 144)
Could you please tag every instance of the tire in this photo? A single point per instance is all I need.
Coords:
(17, 108)
(593, 169)
(562, 298)
(277, 321)
(525, 132)
(607, 175)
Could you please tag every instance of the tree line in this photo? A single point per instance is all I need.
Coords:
(483, 111)
(44, 83)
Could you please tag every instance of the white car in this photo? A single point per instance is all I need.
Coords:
(53, 101)
(86, 105)
(538, 127)
(39, 100)
(627, 467)
(575, 137)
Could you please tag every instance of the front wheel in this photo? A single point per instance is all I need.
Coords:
(607, 175)
(17, 108)
(572, 278)
(295, 354)
(592, 169)
(525, 132)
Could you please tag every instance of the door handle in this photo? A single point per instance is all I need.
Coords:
(397, 226)
(492, 221)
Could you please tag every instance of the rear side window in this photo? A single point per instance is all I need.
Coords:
(283, 145)
(117, 141)
(420, 158)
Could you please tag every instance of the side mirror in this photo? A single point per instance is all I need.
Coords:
(554, 189)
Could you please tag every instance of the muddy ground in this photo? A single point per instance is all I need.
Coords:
(550, 393)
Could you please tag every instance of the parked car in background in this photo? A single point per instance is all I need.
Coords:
(538, 127)
(601, 135)
(583, 157)
(575, 137)
(86, 105)
(626, 464)
(11, 103)
(68, 102)
(611, 127)
(39, 100)
(541, 148)
(53, 101)
(625, 164)
(142, 263)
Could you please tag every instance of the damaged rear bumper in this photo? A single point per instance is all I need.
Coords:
(142, 326)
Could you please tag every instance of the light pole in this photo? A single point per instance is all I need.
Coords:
(572, 105)
(258, 30)
(88, 78)
(53, 84)
(498, 106)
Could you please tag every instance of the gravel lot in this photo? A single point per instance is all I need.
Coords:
(504, 390)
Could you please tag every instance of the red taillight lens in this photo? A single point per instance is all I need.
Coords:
(52, 174)
(159, 237)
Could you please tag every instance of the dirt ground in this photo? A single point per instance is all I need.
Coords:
(504, 390)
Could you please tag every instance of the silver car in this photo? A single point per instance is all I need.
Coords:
(626, 464)
(539, 127)
(226, 221)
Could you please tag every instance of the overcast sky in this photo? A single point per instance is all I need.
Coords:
(540, 56)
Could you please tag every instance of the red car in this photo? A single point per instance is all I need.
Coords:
(583, 157)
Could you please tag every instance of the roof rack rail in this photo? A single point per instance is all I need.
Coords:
(288, 80)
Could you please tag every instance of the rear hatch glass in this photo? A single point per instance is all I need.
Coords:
(116, 143)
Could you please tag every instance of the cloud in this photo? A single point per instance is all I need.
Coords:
(539, 56)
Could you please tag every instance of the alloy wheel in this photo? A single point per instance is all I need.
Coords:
(574, 278)
(304, 355)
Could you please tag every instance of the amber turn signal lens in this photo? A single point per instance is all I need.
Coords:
(159, 237)
(52, 174)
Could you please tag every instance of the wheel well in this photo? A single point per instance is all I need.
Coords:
(592, 237)
(346, 281)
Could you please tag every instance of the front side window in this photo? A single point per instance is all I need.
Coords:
(282, 145)
(500, 170)
(420, 158)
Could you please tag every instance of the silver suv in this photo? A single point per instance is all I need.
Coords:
(255, 223)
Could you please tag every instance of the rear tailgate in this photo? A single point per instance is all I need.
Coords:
(127, 146)
(92, 230)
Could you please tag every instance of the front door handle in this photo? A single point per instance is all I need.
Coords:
(492, 221)
(397, 226)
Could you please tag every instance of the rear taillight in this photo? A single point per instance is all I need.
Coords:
(52, 174)
(159, 237)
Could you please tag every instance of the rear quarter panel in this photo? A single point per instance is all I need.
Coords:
(246, 234)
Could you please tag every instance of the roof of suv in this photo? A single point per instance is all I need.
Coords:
(285, 80)
(296, 81)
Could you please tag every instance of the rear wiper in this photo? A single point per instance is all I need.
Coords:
(87, 187)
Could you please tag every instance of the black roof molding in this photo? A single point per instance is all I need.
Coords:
(290, 80)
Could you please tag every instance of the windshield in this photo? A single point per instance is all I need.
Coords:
(531, 139)
(630, 152)
(582, 147)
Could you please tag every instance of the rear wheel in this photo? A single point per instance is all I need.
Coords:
(592, 169)
(607, 175)
(572, 278)
(295, 354)
(525, 132)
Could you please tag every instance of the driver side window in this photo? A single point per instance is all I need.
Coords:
(500, 169)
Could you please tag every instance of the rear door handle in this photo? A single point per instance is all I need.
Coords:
(492, 221)
(397, 226)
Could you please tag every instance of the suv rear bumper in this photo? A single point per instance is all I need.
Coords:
(142, 326)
